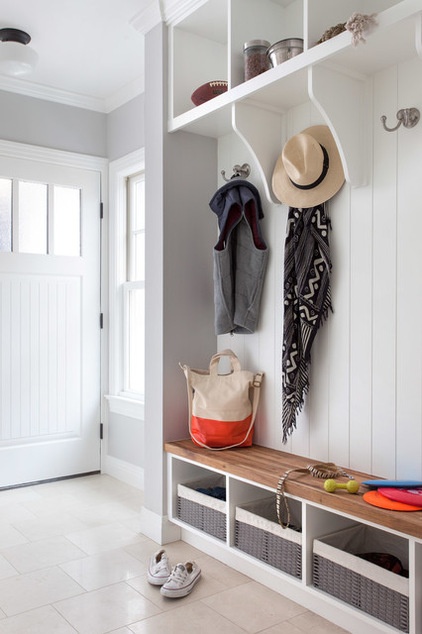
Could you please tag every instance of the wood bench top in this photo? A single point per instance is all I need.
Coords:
(264, 466)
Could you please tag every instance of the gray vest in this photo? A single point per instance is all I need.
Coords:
(240, 258)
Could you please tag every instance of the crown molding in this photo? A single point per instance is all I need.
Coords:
(168, 11)
(46, 93)
(175, 10)
(147, 18)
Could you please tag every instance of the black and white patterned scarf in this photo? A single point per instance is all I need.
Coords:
(307, 300)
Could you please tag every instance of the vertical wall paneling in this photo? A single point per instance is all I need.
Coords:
(384, 278)
(409, 280)
(364, 406)
(338, 325)
(361, 313)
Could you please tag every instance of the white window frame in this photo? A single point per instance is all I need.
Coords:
(119, 170)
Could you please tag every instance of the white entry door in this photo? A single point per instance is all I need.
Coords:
(49, 321)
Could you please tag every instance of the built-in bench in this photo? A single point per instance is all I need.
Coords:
(264, 466)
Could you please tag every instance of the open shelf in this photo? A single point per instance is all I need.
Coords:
(322, 73)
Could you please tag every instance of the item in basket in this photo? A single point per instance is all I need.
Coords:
(407, 496)
(376, 499)
(215, 492)
(387, 561)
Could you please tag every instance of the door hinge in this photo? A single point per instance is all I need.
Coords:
(101, 211)
(101, 431)
(101, 320)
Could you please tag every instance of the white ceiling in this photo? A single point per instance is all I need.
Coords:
(89, 52)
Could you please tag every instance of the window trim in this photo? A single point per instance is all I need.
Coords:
(119, 170)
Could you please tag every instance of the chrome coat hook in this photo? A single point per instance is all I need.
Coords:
(239, 171)
(409, 117)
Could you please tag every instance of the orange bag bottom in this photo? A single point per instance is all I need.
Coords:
(219, 434)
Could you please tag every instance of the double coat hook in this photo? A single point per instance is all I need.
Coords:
(409, 117)
(239, 171)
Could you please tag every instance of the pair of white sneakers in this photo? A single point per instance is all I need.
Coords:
(175, 582)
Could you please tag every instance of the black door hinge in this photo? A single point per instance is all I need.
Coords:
(101, 211)
(101, 431)
(101, 320)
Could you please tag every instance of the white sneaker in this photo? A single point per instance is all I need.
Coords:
(182, 580)
(159, 568)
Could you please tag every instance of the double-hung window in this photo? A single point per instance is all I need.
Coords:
(134, 287)
(127, 278)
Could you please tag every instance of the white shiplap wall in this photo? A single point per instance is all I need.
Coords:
(364, 408)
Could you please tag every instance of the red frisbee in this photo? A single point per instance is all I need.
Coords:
(407, 496)
(376, 499)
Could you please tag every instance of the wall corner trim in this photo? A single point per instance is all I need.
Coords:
(159, 528)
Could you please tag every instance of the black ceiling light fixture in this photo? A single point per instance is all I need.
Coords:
(16, 57)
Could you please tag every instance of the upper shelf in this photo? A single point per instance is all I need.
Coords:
(395, 39)
(332, 75)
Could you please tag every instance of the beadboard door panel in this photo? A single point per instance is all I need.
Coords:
(364, 406)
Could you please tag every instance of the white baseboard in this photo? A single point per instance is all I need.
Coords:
(124, 471)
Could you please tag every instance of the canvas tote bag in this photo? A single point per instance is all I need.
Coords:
(222, 407)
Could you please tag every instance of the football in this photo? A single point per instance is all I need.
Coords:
(208, 91)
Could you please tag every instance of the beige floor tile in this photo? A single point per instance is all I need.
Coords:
(12, 513)
(315, 624)
(49, 525)
(43, 620)
(217, 570)
(253, 606)
(106, 609)
(42, 554)
(187, 617)
(102, 538)
(6, 568)
(9, 536)
(26, 592)
(97, 571)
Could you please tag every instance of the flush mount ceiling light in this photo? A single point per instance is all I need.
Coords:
(16, 58)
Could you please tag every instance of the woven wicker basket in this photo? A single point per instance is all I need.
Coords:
(202, 511)
(370, 588)
(258, 533)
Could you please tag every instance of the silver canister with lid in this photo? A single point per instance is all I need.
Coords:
(255, 58)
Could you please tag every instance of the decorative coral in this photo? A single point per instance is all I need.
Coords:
(359, 24)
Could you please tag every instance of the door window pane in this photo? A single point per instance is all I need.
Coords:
(67, 221)
(32, 217)
(5, 214)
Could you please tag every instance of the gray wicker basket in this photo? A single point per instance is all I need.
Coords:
(202, 511)
(258, 533)
(368, 587)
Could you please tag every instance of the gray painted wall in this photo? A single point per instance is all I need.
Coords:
(125, 128)
(48, 124)
(60, 127)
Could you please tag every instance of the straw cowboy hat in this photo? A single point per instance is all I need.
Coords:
(309, 171)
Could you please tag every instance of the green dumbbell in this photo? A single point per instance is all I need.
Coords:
(331, 485)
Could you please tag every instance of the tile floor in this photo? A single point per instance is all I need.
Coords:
(73, 559)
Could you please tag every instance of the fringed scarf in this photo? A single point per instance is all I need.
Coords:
(307, 300)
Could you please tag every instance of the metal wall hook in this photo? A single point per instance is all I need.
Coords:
(409, 117)
(239, 171)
